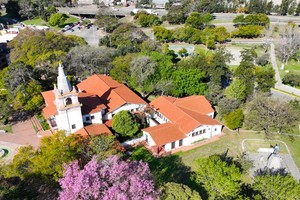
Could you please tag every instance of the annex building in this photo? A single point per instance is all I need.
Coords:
(177, 122)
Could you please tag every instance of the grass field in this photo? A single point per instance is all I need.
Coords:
(292, 66)
(7, 128)
(253, 146)
(232, 141)
(40, 22)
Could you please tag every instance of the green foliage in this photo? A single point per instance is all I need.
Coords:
(226, 106)
(121, 68)
(252, 19)
(165, 169)
(57, 19)
(198, 20)
(147, 20)
(276, 186)
(249, 31)
(103, 146)
(162, 34)
(125, 124)
(108, 23)
(292, 79)
(236, 91)
(188, 82)
(132, 38)
(265, 78)
(220, 179)
(175, 191)
(245, 72)
(176, 15)
(234, 120)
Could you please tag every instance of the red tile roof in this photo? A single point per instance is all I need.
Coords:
(165, 133)
(185, 115)
(90, 103)
(50, 108)
(93, 129)
(111, 93)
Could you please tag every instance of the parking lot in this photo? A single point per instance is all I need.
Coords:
(90, 34)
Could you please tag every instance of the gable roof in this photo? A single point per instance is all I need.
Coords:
(165, 133)
(50, 108)
(90, 103)
(112, 93)
(93, 129)
(185, 112)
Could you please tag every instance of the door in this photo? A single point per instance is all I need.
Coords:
(180, 142)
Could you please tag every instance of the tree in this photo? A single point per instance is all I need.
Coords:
(226, 106)
(249, 31)
(289, 42)
(277, 186)
(264, 78)
(86, 60)
(268, 114)
(297, 11)
(108, 179)
(236, 91)
(188, 82)
(182, 52)
(148, 20)
(57, 19)
(176, 15)
(234, 120)
(162, 34)
(292, 79)
(198, 20)
(245, 72)
(108, 23)
(125, 124)
(220, 179)
(102, 146)
(141, 70)
(284, 6)
(175, 191)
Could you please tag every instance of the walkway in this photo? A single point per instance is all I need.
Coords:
(279, 84)
(287, 160)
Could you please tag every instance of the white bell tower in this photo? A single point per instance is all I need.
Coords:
(69, 115)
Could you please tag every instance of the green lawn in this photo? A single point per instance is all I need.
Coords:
(292, 66)
(232, 141)
(253, 146)
(7, 128)
(40, 22)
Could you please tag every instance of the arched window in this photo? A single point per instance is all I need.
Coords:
(68, 101)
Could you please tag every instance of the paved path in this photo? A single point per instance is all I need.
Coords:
(23, 134)
(279, 85)
(286, 159)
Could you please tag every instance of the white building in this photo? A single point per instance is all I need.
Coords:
(98, 99)
(180, 122)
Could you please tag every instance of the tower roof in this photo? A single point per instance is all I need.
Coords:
(63, 83)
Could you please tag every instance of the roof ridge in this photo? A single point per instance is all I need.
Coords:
(186, 98)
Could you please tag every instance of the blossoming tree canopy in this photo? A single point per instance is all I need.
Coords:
(108, 179)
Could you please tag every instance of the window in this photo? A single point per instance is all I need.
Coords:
(73, 126)
(215, 129)
(173, 145)
(68, 101)
(204, 131)
(147, 138)
(193, 134)
(180, 142)
(92, 117)
(87, 118)
(200, 131)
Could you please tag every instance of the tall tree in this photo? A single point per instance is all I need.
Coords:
(234, 120)
(277, 186)
(289, 42)
(220, 179)
(125, 124)
(109, 179)
(268, 114)
(175, 191)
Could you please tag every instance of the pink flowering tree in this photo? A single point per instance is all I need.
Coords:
(109, 179)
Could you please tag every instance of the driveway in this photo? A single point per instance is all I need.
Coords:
(23, 134)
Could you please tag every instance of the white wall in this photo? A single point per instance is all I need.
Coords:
(150, 140)
(97, 118)
(127, 106)
(65, 119)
